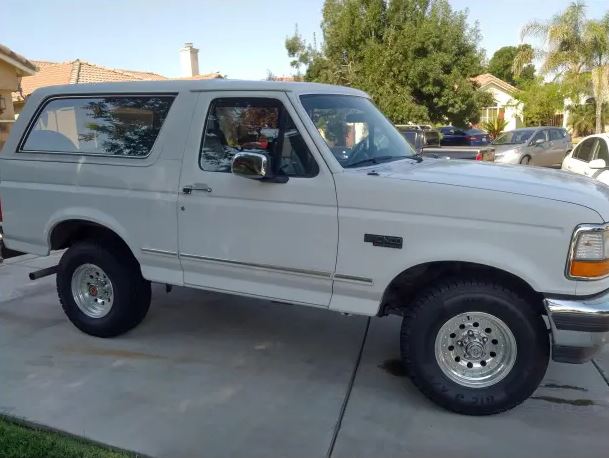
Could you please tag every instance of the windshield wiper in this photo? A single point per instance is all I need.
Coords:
(381, 159)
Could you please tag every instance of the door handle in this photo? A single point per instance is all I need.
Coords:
(196, 187)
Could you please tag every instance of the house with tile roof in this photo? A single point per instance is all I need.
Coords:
(74, 72)
(506, 107)
(80, 71)
(13, 67)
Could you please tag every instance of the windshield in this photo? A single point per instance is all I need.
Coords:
(355, 130)
(514, 137)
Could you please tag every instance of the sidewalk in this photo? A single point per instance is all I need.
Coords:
(213, 375)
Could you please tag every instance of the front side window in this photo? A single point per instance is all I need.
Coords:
(113, 125)
(541, 135)
(258, 125)
(355, 130)
(585, 150)
(602, 152)
(514, 137)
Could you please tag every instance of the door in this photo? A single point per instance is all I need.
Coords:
(540, 153)
(452, 136)
(268, 239)
(558, 147)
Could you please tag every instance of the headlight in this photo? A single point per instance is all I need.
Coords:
(589, 253)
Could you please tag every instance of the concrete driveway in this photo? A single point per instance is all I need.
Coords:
(218, 376)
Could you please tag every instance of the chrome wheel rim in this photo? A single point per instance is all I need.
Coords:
(92, 291)
(475, 349)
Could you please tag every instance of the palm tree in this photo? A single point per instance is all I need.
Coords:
(575, 49)
(596, 38)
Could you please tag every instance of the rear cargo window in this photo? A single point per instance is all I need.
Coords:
(110, 126)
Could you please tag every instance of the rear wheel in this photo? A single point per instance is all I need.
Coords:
(101, 288)
(473, 347)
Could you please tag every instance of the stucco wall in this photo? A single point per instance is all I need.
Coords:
(513, 108)
(8, 84)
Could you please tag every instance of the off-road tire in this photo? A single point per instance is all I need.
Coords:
(445, 300)
(132, 293)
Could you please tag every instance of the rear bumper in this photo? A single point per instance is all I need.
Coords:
(580, 327)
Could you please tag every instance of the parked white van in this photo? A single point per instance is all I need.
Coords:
(306, 194)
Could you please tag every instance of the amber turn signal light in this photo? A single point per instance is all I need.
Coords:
(589, 269)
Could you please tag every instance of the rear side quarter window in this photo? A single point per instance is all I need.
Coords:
(107, 125)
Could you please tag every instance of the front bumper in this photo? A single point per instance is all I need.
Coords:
(580, 327)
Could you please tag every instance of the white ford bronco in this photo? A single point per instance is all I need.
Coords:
(306, 194)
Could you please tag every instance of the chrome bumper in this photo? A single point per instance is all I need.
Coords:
(580, 327)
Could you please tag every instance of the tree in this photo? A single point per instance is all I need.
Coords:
(502, 62)
(495, 127)
(582, 118)
(596, 38)
(541, 101)
(415, 57)
(576, 51)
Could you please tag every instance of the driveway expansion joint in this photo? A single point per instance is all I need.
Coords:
(343, 407)
(603, 374)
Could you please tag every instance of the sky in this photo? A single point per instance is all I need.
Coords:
(243, 39)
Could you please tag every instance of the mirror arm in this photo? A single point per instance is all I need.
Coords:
(275, 179)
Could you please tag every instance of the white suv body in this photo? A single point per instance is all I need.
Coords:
(135, 180)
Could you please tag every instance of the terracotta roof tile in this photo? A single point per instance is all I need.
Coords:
(144, 75)
(49, 74)
(77, 71)
(487, 78)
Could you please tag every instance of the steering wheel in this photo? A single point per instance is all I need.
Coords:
(359, 153)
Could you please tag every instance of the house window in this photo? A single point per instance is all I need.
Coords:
(490, 114)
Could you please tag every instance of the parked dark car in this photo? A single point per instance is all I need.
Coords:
(431, 136)
(455, 136)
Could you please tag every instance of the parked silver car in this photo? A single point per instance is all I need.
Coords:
(544, 146)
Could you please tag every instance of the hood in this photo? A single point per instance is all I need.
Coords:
(514, 179)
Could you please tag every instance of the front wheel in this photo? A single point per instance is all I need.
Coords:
(473, 347)
(101, 288)
(526, 160)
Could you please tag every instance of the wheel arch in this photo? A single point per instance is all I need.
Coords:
(407, 284)
(63, 233)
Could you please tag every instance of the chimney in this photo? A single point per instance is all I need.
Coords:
(189, 60)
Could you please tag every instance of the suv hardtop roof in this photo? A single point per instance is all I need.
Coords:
(195, 86)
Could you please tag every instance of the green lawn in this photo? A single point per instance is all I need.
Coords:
(17, 441)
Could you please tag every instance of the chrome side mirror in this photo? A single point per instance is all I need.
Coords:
(250, 165)
(255, 166)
